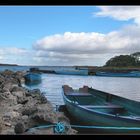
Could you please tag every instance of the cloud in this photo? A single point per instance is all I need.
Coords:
(89, 43)
(93, 47)
(70, 42)
(120, 12)
(79, 46)
(14, 55)
(12, 51)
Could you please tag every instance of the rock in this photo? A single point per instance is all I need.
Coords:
(19, 94)
(21, 108)
(28, 93)
(8, 131)
(17, 108)
(7, 72)
(43, 99)
(44, 114)
(29, 110)
(8, 86)
(22, 81)
(8, 98)
(11, 115)
(44, 118)
(1, 125)
(72, 132)
(19, 128)
(22, 100)
(7, 124)
(19, 74)
(1, 79)
(35, 93)
(6, 94)
(4, 90)
(2, 98)
(12, 100)
(17, 88)
(46, 131)
(25, 118)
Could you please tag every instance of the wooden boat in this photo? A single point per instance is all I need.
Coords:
(32, 78)
(103, 111)
(115, 74)
(72, 71)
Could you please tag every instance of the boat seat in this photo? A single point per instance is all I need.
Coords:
(78, 94)
(67, 89)
(103, 106)
(84, 89)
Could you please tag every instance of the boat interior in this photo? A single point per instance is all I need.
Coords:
(97, 101)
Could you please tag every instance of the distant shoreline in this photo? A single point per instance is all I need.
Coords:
(9, 65)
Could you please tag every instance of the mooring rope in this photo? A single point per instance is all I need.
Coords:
(60, 127)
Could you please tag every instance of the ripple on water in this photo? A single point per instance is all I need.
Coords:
(52, 85)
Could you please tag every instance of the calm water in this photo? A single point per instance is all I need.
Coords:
(52, 84)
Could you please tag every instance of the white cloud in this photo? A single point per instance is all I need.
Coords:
(14, 55)
(80, 46)
(120, 12)
(92, 46)
(12, 51)
(70, 42)
(89, 43)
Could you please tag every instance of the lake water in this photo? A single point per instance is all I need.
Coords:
(52, 84)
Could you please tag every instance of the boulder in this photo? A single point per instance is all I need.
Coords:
(8, 85)
(35, 93)
(22, 100)
(7, 72)
(29, 110)
(17, 108)
(8, 99)
(19, 128)
(11, 115)
(17, 88)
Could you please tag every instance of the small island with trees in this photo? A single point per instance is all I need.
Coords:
(132, 60)
(121, 63)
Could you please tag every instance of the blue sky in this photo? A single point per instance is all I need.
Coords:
(21, 27)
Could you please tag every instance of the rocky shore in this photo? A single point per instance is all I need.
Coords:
(22, 109)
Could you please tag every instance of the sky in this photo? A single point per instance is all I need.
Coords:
(67, 35)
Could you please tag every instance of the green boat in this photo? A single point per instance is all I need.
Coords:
(102, 111)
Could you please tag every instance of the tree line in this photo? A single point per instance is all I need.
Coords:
(132, 60)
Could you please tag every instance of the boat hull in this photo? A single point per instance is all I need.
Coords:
(32, 78)
(72, 72)
(108, 74)
(103, 122)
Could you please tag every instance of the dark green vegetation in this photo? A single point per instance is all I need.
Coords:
(132, 60)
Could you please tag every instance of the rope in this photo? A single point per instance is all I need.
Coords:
(59, 127)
